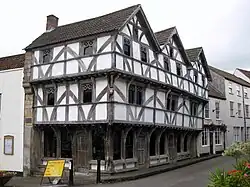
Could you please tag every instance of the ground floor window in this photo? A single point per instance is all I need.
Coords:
(236, 133)
(204, 135)
(129, 144)
(218, 136)
(178, 143)
(186, 143)
(152, 143)
(117, 145)
(162, 144)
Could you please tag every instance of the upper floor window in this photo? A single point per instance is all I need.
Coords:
(245, 93)
(238, 90)
(178, 69)
(247, 111)
(135, 33)
(166, 64)
(230, 89)
(46, 56)
(207, 110)
(87, 48)
(172, 102)
(203, 81)
(50, 96)
(144, 57)
(171, 52)
(195, 76)
(86, 93)
(126, 46)
(217, 110)
(239, 109)
(231, 108)
(194, 108)
(135, 95)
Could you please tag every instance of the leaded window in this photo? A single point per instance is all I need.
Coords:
(87, 48)
(144, 57)
(195, 76)
(46, 56)
(135, 95)
(178, 69)
(167, 64)
(172, 102)
(86, 92)
(126, 46)
(194, 108)
(50, 96)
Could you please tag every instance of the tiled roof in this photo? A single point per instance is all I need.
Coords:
(230, 76)
(193, 53)
(12, 62)
(163, 36)
(245, 72)
(103, 24)
(213, 92)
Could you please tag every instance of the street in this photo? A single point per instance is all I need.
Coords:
(196, 175)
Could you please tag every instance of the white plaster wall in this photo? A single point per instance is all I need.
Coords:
(100, 85)
(101, 41)
(11, 117)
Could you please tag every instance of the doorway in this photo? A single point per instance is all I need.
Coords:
(211, 138)
(66, 143)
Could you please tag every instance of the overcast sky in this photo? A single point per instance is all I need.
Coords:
(221, 27)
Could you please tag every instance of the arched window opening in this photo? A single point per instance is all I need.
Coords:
(152, 144)
(186, 143)
(129, 145)
(178, 143)
(162, 144)
(117, 145)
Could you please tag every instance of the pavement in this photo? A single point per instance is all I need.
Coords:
(195, 175)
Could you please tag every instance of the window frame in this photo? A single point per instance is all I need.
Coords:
(230, 88)
(135, 100)
(205, 137)
(239, 110)
(206, 111)
(178, 65)
(231, 108)
(127, 42)
(90, 86)
(195, 76)
(47, 90)
(172, 97)
(84, 45)
(218, 137)
(194, 105)
(217, 110)
(246, 110)
(167, 64)
(41, 57)
(238, 91)
(144, 49)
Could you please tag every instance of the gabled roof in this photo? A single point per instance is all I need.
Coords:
(12, 62)
(245, 72)
(165, 35)
(213, 92)
(193, 55)
(102, 24)
(230, 76)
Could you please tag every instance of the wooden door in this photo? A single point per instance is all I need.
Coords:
(82, 150)
(141, 150)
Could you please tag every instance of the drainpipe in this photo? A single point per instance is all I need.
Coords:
(244, 114)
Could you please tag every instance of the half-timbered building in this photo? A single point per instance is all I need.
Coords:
(110, 87)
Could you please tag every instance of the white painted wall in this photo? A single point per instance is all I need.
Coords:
(11, 117)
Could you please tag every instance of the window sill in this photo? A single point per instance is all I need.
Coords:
(232, 116)
(204, 145)
(218, 144)
(240, 117)
(231, 93)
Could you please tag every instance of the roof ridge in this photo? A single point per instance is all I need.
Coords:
(137, 5)
(174, 27)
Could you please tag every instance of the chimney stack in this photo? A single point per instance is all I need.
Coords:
(52, 22)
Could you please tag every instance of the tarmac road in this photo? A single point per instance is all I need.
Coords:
(196, 175)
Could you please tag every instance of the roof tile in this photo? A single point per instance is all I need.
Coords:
(12, 62)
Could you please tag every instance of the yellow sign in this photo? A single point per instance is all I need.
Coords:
(54, 168)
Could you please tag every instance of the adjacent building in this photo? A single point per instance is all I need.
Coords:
(243, 74)
(234, 111)
(212, 139)
(11, 113)
(110, 88)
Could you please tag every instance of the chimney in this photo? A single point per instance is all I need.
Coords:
(52, 22)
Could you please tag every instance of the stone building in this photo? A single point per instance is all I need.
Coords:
(111, 87)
